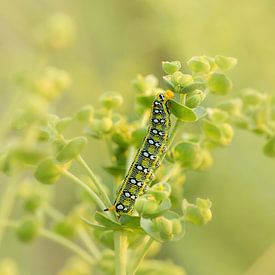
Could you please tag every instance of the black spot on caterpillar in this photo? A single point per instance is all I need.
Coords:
(147, 159)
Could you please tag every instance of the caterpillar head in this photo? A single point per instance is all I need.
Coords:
(163, 97)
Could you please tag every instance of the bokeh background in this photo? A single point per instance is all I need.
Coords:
(116, 39)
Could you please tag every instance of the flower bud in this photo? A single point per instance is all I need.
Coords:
(219, 84)
(27, 230)
(181, 80)
(33, 203)
(252, 97)
(217, 115)
(188, 154)
(195, 98)
(85, 113)
(199, 65)
(160, 191)
(65, 229)
(171, 67)
(165, 227)
(225, 63)
(146, 205)
(232, 106)
(111, 100)
(47, 171)
(207, 160)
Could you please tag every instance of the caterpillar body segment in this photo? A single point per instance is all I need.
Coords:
(147, 159)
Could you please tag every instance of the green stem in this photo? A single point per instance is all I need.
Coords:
(120, 252)
(91, 174)
(85, 238)
(7, 202)
(93, 195)
(66, 243)
(55, 238)
(139, 258)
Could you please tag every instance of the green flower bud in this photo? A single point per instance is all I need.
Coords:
(252, 97)
(207, 160)
(195, 98)
(218, 133)
(52, 82)
(33, 203)
(160, 191)
(232, 106)
(72, 149)
(171, 67)
(111, 100)
(62, 124)
(188, 154)
(225, 63)
(85, 113)
(146, 205)
(181, 80)
(199, 64)
(48, 171)
(58, 32)
(145, 85)
(165, 228)
(211, 61)
(219, 83)
(217, 115)
(101, 126)
(198, 214)
(27, 230)
(269, 147)
(176, 227)
(65, 229)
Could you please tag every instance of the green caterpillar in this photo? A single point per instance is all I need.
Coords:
(148, 157)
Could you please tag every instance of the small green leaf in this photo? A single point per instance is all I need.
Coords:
(219, 83)
(115, 170)
(62, 124)
(182, 112)
(72, 149)
(145, 101)
(47, 171)
(107, 222)
(171, 67)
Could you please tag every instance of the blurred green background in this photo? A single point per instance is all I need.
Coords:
(114, 41)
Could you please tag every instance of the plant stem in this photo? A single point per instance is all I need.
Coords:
(120, 252)
(139, 258)
(66, 243)
(93, 195)
(91, 174)
(7, 202)
(85, 238)
(55, 238)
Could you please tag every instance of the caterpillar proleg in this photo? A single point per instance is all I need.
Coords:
(148, 156)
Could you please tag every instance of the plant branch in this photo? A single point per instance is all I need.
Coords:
(120, 252)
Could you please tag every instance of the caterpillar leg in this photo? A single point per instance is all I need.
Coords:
(112, 208)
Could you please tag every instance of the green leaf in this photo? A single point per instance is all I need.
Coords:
(72, 149)
(47, 171)
(62, 124)
(219, 83)
(194, 86)
(145, 101)
(182, 112)
(269, 147)
(115, 170)
(107, 222)
(96, 226)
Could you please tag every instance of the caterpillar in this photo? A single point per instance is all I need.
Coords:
(148, 157)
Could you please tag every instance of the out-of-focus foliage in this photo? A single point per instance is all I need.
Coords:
(102, 45)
